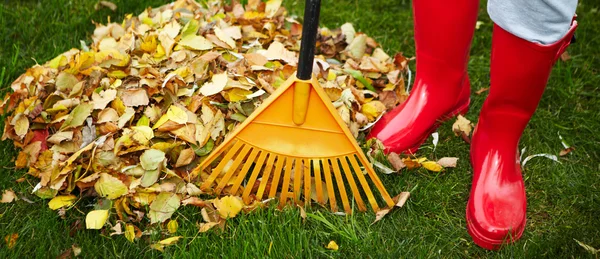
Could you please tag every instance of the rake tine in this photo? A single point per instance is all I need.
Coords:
(329, 183)
(353, 187)
(253, 176)
(217, 170)
(364, 183)
(245, 169)
(318, 183)
(238, 160)
(276, 176)
(286, 181)
(307, 180)
(340, 183)
(265, 178)
(298, 171)
(375, 179)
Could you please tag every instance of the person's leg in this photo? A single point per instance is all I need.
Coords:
(443, 34)
(496, 211)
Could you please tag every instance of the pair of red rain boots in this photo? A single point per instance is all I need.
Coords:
(496, 211)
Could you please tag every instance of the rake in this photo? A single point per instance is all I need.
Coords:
(296, 137)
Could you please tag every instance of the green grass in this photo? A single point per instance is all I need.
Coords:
(563, 199)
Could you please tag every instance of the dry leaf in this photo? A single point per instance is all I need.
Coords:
(8, 196)
(107, 4)
(396, 161)
(11, 240)
(448, 161)
(332, 245)
(462, 126)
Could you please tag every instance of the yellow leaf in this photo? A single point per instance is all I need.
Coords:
(172, 226)
(61, 201)
(130, 232)
(236, 95)
(373, 109)
(11, 240)
(228, 206)
(196, 42)
(332, 246)
(432, 166)
(21, 125)
(203, 227)
(110, 187)
(216, 85)
(165, 242)
(271, 7)
(224, 37)
(96, 219)
(175, 114)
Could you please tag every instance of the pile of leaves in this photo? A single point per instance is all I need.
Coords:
(126, 119)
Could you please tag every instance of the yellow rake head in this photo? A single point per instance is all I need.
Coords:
(271, 146)
(295, 140)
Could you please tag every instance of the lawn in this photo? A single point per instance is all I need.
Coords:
(563, 198)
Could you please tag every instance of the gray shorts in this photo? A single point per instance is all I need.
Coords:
(542, 21)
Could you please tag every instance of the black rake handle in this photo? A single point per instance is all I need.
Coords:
(309, 39)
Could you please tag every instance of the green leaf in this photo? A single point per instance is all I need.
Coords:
(110, 187)
(150, 177)
(77, 116)
(203, 151)
(151, 159)
(163, 207)
(358, 76)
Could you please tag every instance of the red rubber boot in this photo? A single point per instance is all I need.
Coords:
(519, 73)
(443, 34)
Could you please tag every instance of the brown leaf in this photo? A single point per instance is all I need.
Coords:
(566, 151)
(481, 90)
(396, 161)
(134, 97)
(185, 157)
(107, 4)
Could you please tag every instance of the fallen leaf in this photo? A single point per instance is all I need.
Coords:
(566, 151)
(77, 117)
(185, 157)
(332, 245)
(61, 201)
(163, 207)
(110, 187)
(96, 219)
(203, 227)
(11, 240)
(448, 161)
(462, 126)
(216, 85)
(160, 246)
(107, 4)
(8, 196)
(228, 206)
(587, 247)
(373, 109)
(549, 156)
(151, 159)
(401, 199)
(396, 161)
(130, 232)
(172, 226)
(134, 97)
(432, 166)
(481, 90)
